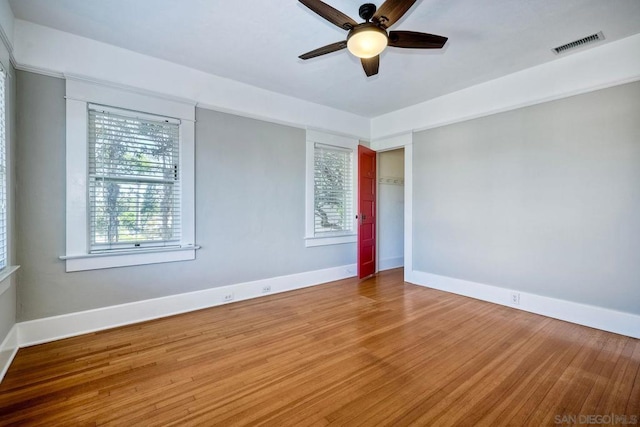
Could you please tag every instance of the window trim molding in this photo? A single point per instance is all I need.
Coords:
(9, 111)
(313, 137)
(5, 183)
(79, 94)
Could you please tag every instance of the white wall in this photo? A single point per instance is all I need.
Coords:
(52, 52)
(48, 51)
(6, 31)
(603, 66)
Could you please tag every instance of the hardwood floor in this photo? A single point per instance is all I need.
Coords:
(377, 352)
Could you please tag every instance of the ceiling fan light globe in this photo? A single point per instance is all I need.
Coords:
(367, 41)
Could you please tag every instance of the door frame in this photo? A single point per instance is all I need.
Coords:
(391, 143)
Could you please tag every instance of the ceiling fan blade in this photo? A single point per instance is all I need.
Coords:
(330, 14)
(415, 40)
(391, 11)
(333, 47)
(371, 65)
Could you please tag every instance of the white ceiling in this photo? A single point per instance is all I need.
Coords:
(258, 42)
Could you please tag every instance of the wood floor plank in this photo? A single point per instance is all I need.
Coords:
(360, 353)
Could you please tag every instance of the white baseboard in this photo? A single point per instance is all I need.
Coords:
(390, 263)
(49, 329)
(582, 314)
(8, 350)
(67, 325)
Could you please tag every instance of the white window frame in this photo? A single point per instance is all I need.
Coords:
(4, 202)
(80, 93)
(323, 138)
(8, 269)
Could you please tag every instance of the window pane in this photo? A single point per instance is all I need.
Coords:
(128, 146)
(133, 212)
(133, 181)
(333, 190)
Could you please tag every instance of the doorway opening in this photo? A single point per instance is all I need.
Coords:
(390, 225)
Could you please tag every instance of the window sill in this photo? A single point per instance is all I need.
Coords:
(330, 240)
(4, 275)
(125, 258)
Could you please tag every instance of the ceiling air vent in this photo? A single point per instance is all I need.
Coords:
(578, 43)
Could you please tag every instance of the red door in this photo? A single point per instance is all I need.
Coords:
(366, 212)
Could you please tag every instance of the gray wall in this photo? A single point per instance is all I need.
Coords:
(7, 309)
(544, 199)
(250, 207)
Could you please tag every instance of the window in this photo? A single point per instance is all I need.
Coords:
(333, 190)
(331, 164)
(3, 175)
(130, 178)
(134, 184)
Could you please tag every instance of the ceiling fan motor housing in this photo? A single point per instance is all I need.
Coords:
(367, 11)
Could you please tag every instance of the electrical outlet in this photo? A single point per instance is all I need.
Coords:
(228, 297)
(266, 289)
(514, 298)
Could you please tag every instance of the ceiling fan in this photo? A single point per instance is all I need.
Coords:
(368, 39)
